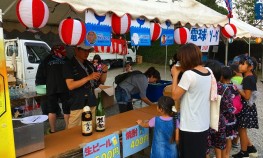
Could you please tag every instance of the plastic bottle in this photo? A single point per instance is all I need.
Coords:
(86, 121)
(100, 115)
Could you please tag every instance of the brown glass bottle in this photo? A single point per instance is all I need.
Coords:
(86, 121)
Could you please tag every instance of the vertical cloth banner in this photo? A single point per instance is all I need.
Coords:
(134, 139)
(98, 29)
(7, 147)
(258, 9)
(167, 37)
(108, 146)
(140, 32)
(203, 36)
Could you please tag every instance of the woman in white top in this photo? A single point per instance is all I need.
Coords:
(193, 90)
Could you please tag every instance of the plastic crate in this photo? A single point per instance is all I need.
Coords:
(155, 91)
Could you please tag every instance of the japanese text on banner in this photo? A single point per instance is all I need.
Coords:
(205, 36)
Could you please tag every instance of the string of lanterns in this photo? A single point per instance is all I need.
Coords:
(34, 14)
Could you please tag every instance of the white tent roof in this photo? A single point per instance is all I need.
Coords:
(183, 11)
(245, 29)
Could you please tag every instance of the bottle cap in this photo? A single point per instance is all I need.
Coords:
(86, 108)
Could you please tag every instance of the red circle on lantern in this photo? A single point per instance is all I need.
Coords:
(181, 35)
(72, 31)
(229, 30)
(120, 25)
(156, 31)
(32, 13)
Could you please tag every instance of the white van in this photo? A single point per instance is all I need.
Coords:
(115, 59)
(24, 56)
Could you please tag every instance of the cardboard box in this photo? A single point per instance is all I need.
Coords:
(11, 78)
(107, 94)
(138, 59)
(167, 91)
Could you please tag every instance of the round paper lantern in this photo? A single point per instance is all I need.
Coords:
(181, 35)
(72, 31)
(229, 30)
(120, 25)
(32, 13)
(258, 40)
(156, 31)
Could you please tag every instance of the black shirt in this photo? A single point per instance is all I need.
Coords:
(50, 73)
(84, 94)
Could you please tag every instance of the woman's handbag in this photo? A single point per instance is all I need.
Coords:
(215, 112)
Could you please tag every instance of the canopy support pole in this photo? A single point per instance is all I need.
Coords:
(249, 47)
(9, 7)
(165, 62)
(226, 53)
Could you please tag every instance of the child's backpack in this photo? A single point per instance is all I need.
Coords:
(121, 77)
(237, 102)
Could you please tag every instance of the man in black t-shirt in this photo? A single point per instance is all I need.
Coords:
(57, 90)
(81, 79)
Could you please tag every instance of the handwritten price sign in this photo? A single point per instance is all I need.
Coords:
(134, 139)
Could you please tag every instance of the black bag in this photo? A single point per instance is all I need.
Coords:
(121, 77)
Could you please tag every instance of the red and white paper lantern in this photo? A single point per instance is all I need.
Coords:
(181, 35)
(120, 25)
(156, 31)
(72, 31)
(32, 13)
(229, 30)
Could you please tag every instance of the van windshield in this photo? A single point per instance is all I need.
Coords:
(36, 52)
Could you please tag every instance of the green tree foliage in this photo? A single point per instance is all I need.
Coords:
(213, 4)
(245, 11)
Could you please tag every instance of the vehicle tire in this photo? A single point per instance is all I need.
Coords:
(108, 63)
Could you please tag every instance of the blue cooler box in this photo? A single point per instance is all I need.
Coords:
(155, 91)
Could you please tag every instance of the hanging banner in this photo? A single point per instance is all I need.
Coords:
(98, 29)
(258, 9)
(118, 46)
(167, 37)
(140, 32)
(204, 36)
(134, 139)
(7, 147)
(108, 146)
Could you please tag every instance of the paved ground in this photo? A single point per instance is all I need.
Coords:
(255, 135)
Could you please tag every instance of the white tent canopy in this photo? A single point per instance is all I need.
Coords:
(183, 11)
(245, 29)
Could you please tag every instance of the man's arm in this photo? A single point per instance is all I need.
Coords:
(147, 101)
(71, 84)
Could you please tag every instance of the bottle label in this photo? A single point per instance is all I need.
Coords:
(86, 126)
(100, 123)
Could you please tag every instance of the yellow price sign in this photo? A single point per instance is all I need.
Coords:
(2, 95)
(7, 147)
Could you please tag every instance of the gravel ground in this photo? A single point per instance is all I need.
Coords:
(256, 135)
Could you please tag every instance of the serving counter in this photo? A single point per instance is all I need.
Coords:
(70, 140)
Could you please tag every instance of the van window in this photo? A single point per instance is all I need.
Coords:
(11, 49)
(36, 52)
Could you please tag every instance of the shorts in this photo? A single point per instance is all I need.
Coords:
(193, 144)
(75, 117)
(53, 100)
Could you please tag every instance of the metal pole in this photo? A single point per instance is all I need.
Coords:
(7, 147)
(249, 47)
(226, 53)
(165, 62)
